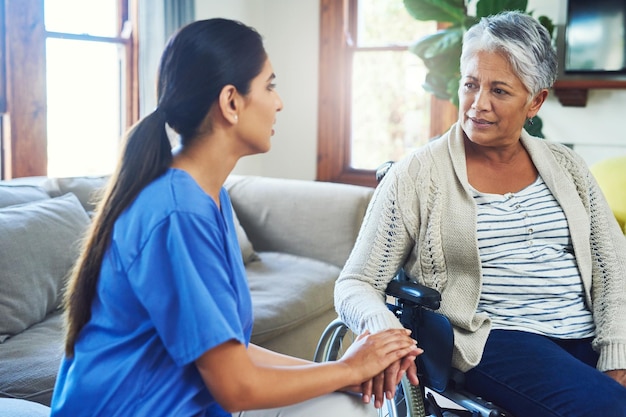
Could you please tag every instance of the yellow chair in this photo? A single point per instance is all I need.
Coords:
(611, 175)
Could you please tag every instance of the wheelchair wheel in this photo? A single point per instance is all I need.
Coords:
(409, 399)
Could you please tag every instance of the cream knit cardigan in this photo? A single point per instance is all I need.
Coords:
(422, 217)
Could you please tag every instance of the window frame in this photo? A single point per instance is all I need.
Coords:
(24, 120)
(337, 17)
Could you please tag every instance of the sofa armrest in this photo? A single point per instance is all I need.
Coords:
(319, 220)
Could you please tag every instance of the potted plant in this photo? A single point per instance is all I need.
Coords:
(441, 51)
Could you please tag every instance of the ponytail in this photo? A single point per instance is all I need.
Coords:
(143, 159)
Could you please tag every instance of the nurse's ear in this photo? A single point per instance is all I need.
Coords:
(230, 103)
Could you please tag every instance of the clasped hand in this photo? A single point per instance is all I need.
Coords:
(383, 385)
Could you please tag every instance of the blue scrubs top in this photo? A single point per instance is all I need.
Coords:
(172, 286)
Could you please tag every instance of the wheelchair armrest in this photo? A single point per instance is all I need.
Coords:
(415, 293)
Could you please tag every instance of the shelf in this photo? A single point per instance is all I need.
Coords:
(573, 91)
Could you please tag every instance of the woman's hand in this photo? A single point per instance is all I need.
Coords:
(619, 375)
(384, 384)
(394, 349)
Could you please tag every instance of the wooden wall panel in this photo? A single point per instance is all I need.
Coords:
(25, 142)
(25, 145)
(3, 102)
(332, 105)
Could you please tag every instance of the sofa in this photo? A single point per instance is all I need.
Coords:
(294, 235)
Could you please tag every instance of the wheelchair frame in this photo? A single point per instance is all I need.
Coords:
(413, 401)
(328, 349)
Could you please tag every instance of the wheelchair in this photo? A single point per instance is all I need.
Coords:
(415, 305)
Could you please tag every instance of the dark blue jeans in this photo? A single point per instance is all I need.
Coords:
(535, 376)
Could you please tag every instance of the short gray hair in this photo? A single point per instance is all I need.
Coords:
(523, 41)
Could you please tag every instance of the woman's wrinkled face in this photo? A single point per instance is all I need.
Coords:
(493, 102)
(256, 120)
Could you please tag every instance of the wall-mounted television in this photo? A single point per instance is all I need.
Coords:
(595, 37)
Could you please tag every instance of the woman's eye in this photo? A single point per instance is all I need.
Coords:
(271, 86)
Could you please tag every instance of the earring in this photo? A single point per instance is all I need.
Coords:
(236, 117)
(530, 121)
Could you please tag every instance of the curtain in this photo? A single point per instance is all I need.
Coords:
(157, 21)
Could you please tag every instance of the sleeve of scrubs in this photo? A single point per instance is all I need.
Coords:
(184, 280)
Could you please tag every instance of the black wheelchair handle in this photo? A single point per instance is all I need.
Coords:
(413, 292)
(382, 170)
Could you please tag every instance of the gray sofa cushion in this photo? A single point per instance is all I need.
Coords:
(307, 218)
(38, 246)
(247, 251)
(88, 190)
(19, 194)
(29, 361)
(287, 291)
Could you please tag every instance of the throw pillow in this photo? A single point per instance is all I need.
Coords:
(11, 195)
(39, 243)
(247, 251)
(87, 189)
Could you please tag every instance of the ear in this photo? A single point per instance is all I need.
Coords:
(229, 103)
(536, 102)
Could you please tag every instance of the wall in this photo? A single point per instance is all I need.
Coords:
(291, 32)
(593, 130)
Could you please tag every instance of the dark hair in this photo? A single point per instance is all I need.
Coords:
(198, 61)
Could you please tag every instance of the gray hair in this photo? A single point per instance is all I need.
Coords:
(523, 41)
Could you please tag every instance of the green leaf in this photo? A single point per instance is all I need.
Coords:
(491, 7)
(470, 21)
(445, 41)
(453, 89)
(446, 65)
(438, 10)
(547, 23)
(441, 53)
(437, 85)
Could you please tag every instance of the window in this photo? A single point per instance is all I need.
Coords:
(86, 85)
(372, 107)
(70, 85)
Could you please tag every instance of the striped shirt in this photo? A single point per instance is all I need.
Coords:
(530, 280)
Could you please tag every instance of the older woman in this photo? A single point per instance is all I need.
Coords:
(516, 235)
